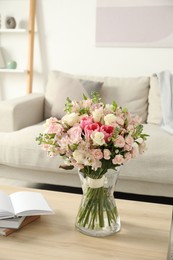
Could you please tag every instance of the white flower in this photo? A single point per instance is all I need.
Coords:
(70, 119)
(98, 138)
(79, 156)
(97, 115)
(110, 119)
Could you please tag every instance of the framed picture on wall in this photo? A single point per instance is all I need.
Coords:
(134, 23)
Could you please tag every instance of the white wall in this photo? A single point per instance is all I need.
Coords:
(65, 40)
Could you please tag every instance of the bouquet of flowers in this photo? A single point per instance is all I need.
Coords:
(94, 137)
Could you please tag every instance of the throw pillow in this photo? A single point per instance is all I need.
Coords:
(130, 92)
(62, 85)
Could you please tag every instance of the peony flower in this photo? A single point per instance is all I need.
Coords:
(70, 119)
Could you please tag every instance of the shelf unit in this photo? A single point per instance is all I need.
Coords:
(13, 30)
(12, 71)
(30, 32)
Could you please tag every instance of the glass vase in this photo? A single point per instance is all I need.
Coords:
(98, 215)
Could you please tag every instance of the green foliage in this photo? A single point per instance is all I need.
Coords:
(95, 96)
(68, 105)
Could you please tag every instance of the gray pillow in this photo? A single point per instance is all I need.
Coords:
(62, 85)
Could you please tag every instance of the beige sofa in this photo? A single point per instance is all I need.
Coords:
(21, 120)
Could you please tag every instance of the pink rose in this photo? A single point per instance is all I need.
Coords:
(75, 134)
(119, 142)
(84, 121)
(55, 128)
(107, 130)
(134, 152)
(128, 156)
(97, 153)
(129, 140)
(118, 159)
(120, 121)
(91, 128)
(106, 154)
(127, 147)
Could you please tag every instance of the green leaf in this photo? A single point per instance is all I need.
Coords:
(85, 97)
(114, 104)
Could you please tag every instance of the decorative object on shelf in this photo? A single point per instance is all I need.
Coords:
(10, 22)
(11, 64)
(95, 138)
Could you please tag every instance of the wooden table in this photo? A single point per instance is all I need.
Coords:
(144, 234)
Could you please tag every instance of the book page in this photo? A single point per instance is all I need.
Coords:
(6, 207)
(27, 203)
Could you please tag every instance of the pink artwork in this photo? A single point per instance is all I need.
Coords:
(134, 23)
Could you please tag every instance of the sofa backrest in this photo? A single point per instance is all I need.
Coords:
(126, 91)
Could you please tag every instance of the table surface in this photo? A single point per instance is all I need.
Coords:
(144, 233)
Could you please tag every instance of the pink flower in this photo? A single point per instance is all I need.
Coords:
(134, 152)
(97, 153)
(120, 142)
(84, 121)
(106, 154)
(107, 130)
(118, 159)
(128, 156)
(120, 121)
(91, 128)
(75, 134)
(55, 128)
(127, 147)
(129, 140)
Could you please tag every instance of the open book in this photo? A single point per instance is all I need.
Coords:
(23, 203)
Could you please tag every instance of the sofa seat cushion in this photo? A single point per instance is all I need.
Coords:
(20, 150)
(155, 165)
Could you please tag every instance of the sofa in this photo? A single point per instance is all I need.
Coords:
(22, 119)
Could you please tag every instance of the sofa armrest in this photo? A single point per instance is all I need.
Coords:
(21, 112)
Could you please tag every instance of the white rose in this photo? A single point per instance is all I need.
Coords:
(97, 115)
(79, 156)
(109, 107)
(110, 119)
(98, 138)
(70, 119)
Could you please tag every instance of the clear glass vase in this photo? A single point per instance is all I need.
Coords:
(98, 215)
